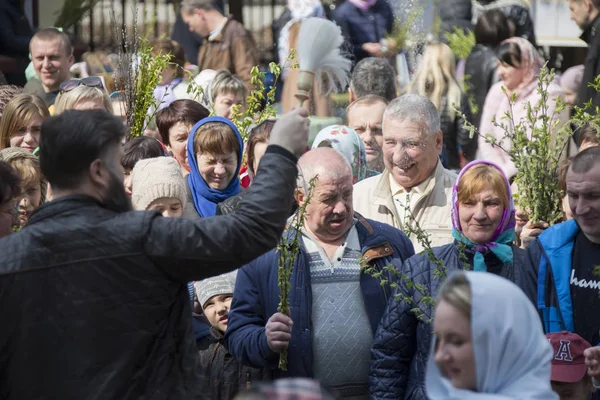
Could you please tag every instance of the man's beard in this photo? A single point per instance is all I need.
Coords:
(116, 198)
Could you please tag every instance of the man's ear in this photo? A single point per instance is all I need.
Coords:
(299, 196)
(439, 141)
(351, 96)
(71, 60)
(98, 173)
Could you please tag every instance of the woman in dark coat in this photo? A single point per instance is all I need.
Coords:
(480, 71)
(483, 218)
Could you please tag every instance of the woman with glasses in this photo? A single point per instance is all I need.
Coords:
(82, 94)
(21, 122)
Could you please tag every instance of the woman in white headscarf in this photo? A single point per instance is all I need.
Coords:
(488, 343)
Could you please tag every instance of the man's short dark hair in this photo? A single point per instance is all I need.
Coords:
(586, 160)
(71, 141)
(188, 6)
(187, 111)
(589, 134)
(492, 28)
(10, 183)
(374, 76)
(140, 148)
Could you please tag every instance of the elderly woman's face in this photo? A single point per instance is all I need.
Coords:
(480, 216)
(511, 77)
(454, 353)
(217, 170)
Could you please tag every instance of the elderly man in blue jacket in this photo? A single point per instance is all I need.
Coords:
(561, 262)
(335, 304)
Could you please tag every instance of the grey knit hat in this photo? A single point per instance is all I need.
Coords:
(217, 285)
(154, 178)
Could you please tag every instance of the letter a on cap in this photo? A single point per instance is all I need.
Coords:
(564, 351)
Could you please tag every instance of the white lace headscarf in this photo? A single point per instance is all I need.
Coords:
(300, 9)
(512, 355)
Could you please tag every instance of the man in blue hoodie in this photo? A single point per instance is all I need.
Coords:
(335, 304)
(561, 263)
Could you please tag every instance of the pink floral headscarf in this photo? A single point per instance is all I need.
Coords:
(530, 58)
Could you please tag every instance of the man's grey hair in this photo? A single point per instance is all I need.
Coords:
(188, 6)
(374, 76)
(416, 109)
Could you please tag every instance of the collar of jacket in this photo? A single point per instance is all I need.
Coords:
(589, 32)
(61, 205)
(219, 37)
(365, 231)
(382, 195)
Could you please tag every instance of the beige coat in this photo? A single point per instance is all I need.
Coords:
(373, 199)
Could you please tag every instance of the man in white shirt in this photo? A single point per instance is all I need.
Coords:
(414, 187)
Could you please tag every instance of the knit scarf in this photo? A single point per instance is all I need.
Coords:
(206, 198)
(363, 5)
(504, 235)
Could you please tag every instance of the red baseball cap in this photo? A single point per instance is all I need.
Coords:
(568, 362)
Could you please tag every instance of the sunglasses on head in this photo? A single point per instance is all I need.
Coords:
(90, 81)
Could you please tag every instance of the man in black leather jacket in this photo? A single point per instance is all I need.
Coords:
(586, 14)
(94, 297)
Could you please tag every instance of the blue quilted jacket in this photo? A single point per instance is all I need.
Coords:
(256, 298)
(403, 340)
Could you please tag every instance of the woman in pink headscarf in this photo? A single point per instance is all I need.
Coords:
(519, 66)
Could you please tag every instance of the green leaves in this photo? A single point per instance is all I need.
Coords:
(255, 111)
(460, 43)
(288, 249)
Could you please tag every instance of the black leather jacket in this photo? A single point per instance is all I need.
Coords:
(480, 75)
(95, 302)
(455, 14)
(591, 35)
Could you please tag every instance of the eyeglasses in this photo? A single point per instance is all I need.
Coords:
(118, 95)
(90, 81)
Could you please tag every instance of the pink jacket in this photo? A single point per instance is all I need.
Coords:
(497, 104)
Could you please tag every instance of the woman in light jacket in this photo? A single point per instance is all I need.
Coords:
(519, 66)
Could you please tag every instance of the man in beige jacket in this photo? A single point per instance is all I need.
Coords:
(414, 186)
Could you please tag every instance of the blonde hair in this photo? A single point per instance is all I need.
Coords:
(226, 82)
(479, 178)
(457, 293)
(435, 79)
(69, 100)
(18, 113)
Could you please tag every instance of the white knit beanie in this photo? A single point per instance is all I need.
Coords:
(154, 178)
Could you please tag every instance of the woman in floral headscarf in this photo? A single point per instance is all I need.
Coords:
(347, 142)
(483, 221)
(519, 66)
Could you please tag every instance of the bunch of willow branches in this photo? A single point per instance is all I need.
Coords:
(288, 249)
(537, 143)
(137, 74)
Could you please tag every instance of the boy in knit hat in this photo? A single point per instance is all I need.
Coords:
(157, 184)
(223, 376)
(569, 373)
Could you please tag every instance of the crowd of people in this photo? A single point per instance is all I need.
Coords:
(150, 266)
